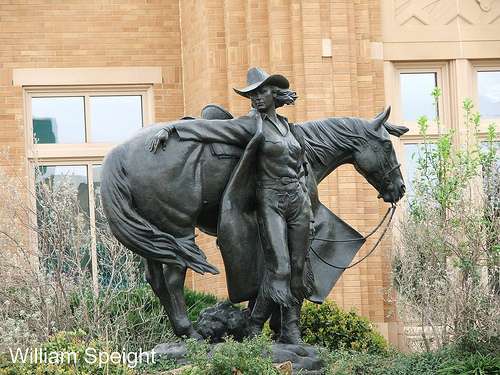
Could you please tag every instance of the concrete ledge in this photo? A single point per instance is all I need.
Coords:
(86, 76)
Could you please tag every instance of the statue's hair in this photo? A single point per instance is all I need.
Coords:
(283, 96)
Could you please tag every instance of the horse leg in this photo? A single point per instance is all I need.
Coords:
(176, 311)
(175, 276)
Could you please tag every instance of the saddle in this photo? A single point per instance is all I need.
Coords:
(219, 150)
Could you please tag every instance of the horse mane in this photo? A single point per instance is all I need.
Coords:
(326, 136)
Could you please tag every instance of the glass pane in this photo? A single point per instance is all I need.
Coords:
(412, 153)
(416, 98)
(411, 157)
(58, 119)
(63, 218)
(491, 150)
(66, 180)
(491, 174)
(99, 214)
(488, 85)
(115, 118)
(117, 266)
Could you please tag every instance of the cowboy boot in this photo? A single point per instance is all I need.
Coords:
(275, 322)
(290, 324)
(260, 313)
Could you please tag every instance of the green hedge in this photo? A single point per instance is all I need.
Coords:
(127, 301)
(248, 357)
(329, 326)
(138, 313)
(447, 361)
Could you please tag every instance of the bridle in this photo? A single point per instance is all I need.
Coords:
(391, 170)
(391, 210)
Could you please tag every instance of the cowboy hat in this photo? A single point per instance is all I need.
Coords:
(257, 77)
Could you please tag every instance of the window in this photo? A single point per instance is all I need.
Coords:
(63, 214)
(488, 92)
(69, 133)
(91, 118)
(115, 118)
(409, 89)
(412, 152)
(58, 119)
(416, 99)
(410, 94)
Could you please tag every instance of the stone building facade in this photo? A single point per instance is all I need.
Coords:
(343, 57)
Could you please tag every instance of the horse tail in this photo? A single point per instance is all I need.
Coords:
(134, 231)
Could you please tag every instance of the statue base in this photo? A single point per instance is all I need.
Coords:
(303, 357)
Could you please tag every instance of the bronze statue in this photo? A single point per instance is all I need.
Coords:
(256, 191)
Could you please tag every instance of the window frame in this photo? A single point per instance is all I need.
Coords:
(441, 69)
(86, 149)
(86, 154)
(482, 66)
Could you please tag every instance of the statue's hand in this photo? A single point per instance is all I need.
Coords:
(160, 139)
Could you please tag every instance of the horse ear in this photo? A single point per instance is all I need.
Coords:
(381, 118)
(395, 130)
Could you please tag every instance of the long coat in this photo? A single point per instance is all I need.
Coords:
(237, 231)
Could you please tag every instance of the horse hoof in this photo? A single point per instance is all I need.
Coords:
(193, 334)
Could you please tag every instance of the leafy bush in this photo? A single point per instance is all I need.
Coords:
(329, 326)
(140, 313)
(446, 265)
(248, 357)
(53, 290)
(447, 361)
(350, 363)
(475, 363)
(81, 363)
(198, 301)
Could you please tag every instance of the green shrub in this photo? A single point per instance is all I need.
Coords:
(139, 314)
(446, 361)
(474, 364)
(249, 357)
(198, 301)
(80, 363)
(394, 363)
(415, 363)
(329, 326)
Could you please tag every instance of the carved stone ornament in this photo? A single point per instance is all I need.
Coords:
(446, 12)
(485, 5)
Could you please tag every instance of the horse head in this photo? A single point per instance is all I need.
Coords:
(376, 159)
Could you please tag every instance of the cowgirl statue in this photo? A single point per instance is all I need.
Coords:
(274, 166)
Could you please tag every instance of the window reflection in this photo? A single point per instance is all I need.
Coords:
(58, 119)
(489, 93)
(115, 118)
(62, 216)
(416, 98)
(99, 214)
(65, 179)
(491, 157)
(412, 153)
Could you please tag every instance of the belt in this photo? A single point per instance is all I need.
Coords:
(279, 182)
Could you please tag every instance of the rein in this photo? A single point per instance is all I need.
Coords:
(390, 170)
(390, 210)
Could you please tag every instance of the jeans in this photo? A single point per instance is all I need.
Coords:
(284, 216)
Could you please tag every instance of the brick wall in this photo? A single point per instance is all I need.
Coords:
(77, 33)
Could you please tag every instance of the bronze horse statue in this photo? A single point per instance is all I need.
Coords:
(154, 201)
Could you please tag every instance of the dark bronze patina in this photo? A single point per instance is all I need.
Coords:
(252, 182)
